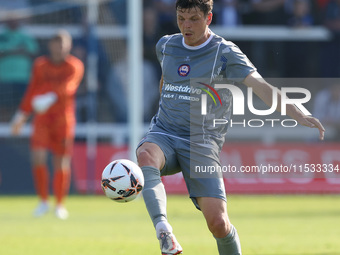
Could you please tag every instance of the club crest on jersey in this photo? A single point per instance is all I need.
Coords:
(183, 70)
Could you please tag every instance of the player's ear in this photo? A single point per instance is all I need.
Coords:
(209, 18)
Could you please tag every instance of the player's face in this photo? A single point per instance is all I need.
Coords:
(59, 49)
(193, 25)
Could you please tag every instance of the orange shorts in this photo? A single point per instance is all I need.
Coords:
(56, 136)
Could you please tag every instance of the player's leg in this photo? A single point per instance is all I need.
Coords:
(151, 159)
(150, 154)
(39, 154)
(61, 145)
(61, 179)
(215, 213)
(207, 191)
(41, 179)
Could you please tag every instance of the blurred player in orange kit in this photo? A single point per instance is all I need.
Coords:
(50, 96)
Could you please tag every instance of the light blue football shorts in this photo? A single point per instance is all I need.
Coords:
(181, 155)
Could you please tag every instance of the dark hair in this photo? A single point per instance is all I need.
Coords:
(205, 6)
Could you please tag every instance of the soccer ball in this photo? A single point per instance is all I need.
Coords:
(122, 180)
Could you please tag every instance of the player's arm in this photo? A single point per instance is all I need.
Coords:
(161, 85)
(264, 91)
(18, 122)
(22, 114)
(32, 88)
(25, 108)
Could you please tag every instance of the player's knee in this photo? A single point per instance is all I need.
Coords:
(219, 226)
(62, 163)
(39, 158)
(146, 157)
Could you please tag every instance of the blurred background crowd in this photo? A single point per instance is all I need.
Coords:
(273, 58)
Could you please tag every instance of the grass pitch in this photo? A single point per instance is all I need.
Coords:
(267, 225)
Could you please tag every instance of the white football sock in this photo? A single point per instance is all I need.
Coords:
(163, 226)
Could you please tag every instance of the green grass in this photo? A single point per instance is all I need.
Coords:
(275, 225)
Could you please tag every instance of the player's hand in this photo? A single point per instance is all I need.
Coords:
(312, 122)
(18, 122)
(42, 103)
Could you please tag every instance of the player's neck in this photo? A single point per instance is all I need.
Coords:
(57, 60)
(207, 38)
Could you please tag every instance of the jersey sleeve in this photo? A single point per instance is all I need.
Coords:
(238, 65)
(160, 47)
(32, 88)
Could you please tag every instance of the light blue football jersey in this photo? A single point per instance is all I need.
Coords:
(189, 72)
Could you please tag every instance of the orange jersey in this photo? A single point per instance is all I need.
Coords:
(54, 129)
(62, 79)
